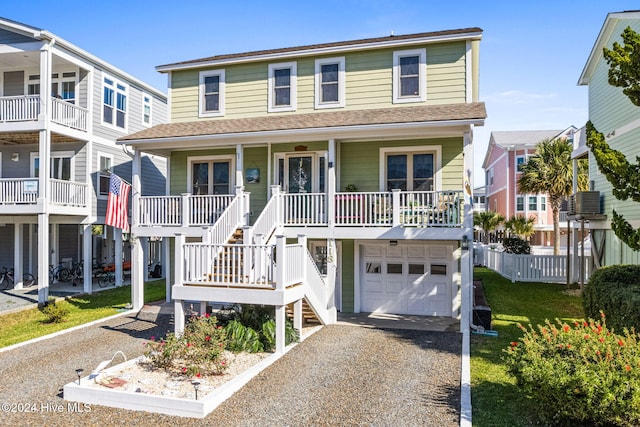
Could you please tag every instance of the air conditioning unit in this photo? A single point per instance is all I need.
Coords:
(586, 203)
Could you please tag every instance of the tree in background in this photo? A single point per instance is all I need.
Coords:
(487, 221)
(550, 171)
(520, 226)
(624, 72)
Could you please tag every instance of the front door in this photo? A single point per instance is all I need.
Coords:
(300, 174)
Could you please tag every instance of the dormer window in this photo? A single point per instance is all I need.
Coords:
(282, 87)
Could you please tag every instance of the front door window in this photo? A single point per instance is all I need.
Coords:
(300, 174)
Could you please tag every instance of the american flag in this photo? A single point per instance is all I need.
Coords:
(118, 203)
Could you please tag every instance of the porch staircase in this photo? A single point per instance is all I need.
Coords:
(309, 316)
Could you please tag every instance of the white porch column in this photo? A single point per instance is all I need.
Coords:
(466, 260)
(117, 232)
(87, 257)
(166, 267)
(239, 166)
(178, 317)
(332, 271)
(43, 258)
(395, 207)
(135, 188)
(137, 276)
(331, 183)
(179, 261)
(18, 260)
(280, 327)
(297, 316)
(282, 261)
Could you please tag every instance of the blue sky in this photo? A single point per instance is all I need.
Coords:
(532, 53)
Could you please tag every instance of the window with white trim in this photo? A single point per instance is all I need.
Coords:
(282, 87)
(211, 89)
(146, 109)
(61, 165)
(533, 203)
(105, 167)
(409, 171)
(329, 83)
(409, 76)
(520, 161)
(210, 175)
(543, 203)
(63, 86)
(490, 173)
(114, 103)
(519, 203)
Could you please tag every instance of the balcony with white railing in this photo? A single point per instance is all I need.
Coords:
(20, 195)
(26, 108)
(182, 211)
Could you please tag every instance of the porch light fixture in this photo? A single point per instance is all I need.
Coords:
(464, 243)
(79, 372)
(196, 386)
(393, 243)
(15, 157)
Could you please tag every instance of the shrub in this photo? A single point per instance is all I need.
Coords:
(55, 313)
(252, 329)
(616, 291)
(198, 351)
(580, 374)
(515, 245)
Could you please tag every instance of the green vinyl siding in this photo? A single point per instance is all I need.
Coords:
(360, 162)
(348, 272)
(368, 83)
(256, 157)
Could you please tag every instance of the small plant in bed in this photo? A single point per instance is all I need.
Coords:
(198, 351)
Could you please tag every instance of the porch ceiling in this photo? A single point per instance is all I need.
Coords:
(337, 122)
(20, 138)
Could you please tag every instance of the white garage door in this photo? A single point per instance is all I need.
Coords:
(406, 279)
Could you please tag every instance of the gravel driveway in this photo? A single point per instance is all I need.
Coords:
(342, 375)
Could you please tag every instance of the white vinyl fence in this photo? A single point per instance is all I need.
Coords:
(531, 268)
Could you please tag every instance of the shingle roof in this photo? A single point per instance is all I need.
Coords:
(433, 34)
(431, 113)
(523, 137)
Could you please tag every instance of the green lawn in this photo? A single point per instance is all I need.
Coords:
(28, 324)
(495, 398)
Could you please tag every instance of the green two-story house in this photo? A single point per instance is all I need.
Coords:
(338, 174)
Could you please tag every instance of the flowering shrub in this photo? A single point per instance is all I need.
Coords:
(580, 373)
(198, 351)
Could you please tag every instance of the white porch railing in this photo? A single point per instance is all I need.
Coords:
(294, 266)
(233, 217)
(531, 268)
(68, 114)
(25, 191)
(304, 208)
(168, 210)
(367, 209)
(268, 220)
(229, 265)
(18, 191)
(431, 208)
(68, 193)
(19, 108)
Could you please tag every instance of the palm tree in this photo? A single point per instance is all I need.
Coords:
(550, 171)
(487, 221)
(520, 226)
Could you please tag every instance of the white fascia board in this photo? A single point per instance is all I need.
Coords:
(604, 35)
(293, 135)
(16, 27)
(102, 64)
(320, 51)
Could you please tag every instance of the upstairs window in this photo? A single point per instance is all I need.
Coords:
(114, 102)
(409, 76)
(105, 162)
(408, 171)
(282, 87)
(329, 83)
(211, 90)
(533, 203)
(519, 203)
(146, 110)
(520, 160)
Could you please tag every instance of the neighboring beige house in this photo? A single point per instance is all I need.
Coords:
(338, 174)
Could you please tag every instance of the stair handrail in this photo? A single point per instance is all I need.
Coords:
(316, 292)
(270, 218)
(229, 221)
